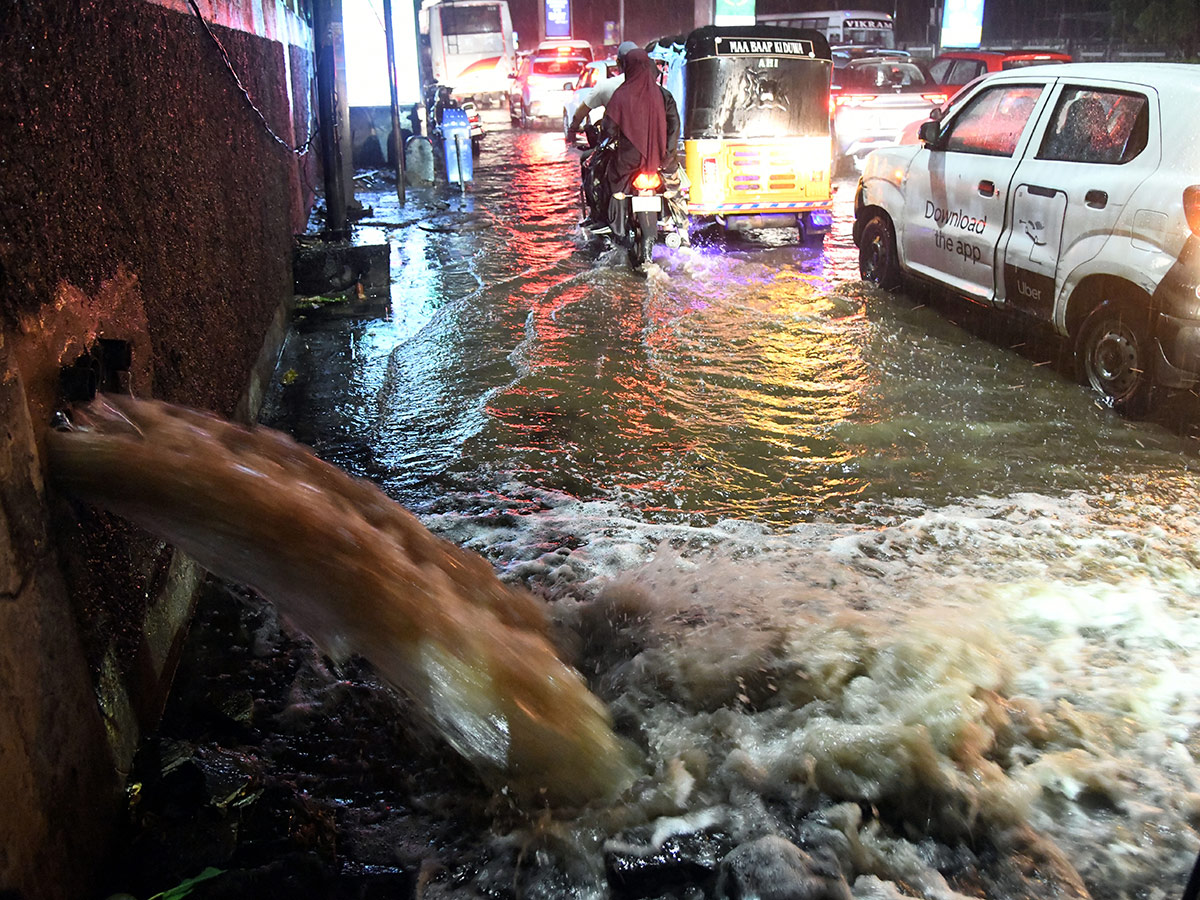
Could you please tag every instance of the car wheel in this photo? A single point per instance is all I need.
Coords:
(878, 262)
(1113, 355)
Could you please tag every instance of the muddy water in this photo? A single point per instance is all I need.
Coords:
(842, 571)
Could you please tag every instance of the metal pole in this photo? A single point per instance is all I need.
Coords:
(620, 21)
(397, 134)
(462, 182)
(327, 14)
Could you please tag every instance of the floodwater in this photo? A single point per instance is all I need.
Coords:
(845, 572)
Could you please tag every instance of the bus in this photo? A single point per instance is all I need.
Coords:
(471, 46)
(841, 27)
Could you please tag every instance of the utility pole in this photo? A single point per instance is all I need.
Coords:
(397, 134)
(331, 101)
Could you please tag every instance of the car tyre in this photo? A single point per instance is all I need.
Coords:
(1112, 354)
(878, 261)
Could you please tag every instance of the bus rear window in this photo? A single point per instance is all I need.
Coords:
(470, 19)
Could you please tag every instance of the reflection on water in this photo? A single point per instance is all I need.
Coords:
(844, 573)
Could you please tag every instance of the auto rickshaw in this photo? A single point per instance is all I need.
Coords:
(754, 104)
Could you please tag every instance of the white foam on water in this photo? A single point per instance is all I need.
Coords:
(1006, 662)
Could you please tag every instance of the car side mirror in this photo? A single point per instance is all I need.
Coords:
(929, 131)
(569, 85)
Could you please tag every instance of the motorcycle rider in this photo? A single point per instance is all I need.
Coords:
(590, 167)
(444, 101)
(598, 97)
(643, 121)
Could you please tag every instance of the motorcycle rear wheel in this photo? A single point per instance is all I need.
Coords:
(645, 233)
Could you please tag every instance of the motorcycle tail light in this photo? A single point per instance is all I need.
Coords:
(1191, 207)
(709, 173)
(647, 181)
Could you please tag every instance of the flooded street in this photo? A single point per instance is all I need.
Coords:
(843, 572)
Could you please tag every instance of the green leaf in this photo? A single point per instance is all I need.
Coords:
(184, 888)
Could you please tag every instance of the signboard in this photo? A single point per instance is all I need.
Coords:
(730, 46)
(558, 18)
(962, 23)
(611, 34)
(734, 12)
(366, 53)
(869, 24)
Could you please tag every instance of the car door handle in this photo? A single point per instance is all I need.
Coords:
(987, 189)
(1096, 199)
(1038, 191)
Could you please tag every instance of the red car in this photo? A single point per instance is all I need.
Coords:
(954, 68)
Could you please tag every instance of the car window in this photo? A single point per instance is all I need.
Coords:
(964, 70)
(992, 121)
(881, 74)
(558, 66)
(1097, 126)
(939, 68)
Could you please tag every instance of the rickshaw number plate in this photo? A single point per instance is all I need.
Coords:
(646, 204)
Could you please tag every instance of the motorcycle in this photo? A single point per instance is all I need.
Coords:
(654, 207)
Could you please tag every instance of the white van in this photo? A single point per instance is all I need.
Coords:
(841, 27)
(1068, 196)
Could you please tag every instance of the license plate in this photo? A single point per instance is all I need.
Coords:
(646, 204)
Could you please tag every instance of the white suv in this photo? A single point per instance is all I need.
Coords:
(1065, 194)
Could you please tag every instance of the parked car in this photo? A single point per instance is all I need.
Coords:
(954, 68)
(542, 85)
(874, 97)
(593, 73)
(1067, 196)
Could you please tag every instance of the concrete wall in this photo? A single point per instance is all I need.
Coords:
(141, 199)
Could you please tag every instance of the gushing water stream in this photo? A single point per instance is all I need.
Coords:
(358, 574)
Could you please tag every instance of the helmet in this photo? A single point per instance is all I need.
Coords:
(623, 48)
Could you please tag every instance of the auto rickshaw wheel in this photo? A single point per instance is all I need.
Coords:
(878, 261)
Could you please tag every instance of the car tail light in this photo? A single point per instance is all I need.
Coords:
(709, 172)
(936, 99)
(647, 181)
(1191, 207)
(853, 99)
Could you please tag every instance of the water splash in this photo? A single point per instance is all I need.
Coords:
(358, 574)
